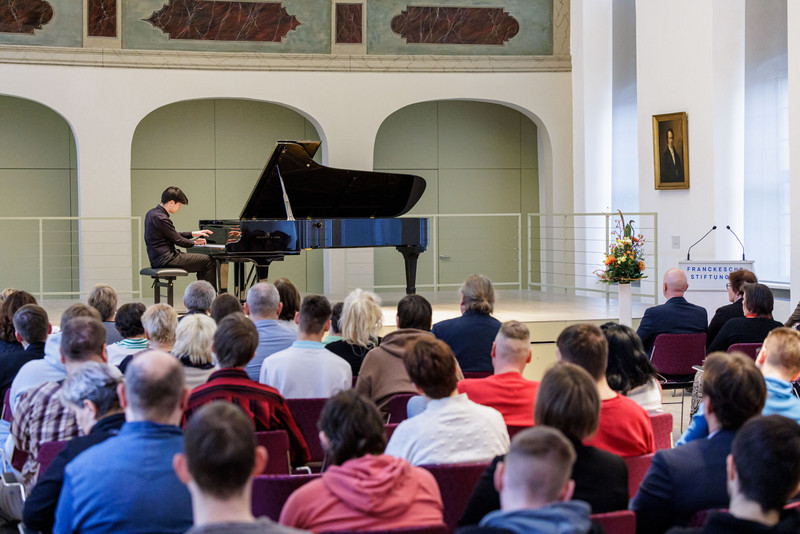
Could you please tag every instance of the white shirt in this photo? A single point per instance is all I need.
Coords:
(450, 430)
(648, 396)
(306, 370)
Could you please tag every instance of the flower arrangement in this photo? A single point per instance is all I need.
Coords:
(624, 261)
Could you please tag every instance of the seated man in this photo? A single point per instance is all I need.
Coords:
(507, 391)
(234, 344)
(763, 474)
(126, 483)
(690, 478)
(625, 427)
(308, 370)
(675, 316)
(128, 323)
(103, 298)
(452, 429)
(263, 307)
(198, 297)
(32, 328)
(220, 460)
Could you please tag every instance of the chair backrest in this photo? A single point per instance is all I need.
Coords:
(662, 430)
(397, 407)
(620, 522)
(277, 444)
(6, 415)
(751, 349)
(271, 491)
(306, 414)
(390, 427)
(675, 354)
(478, 374)
(637, 469)
(513, 430)
(431, 529)
(47, 452)
(456, 483)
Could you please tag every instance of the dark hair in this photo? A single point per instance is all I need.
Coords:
(586, 346)
(766, 459)
(220, 444)
(154, 393)
(314, 313)
(13, 302)
(79, 309)
(568, 400)
(103, 298)
(31, 323)
(235, 340)
(431, 365)
(539, 462)
(353, 426)
(739, 277)
(734, 386)
(174, 193)
(290, 298)
(128, 320)
(628, 364)
(336, 314)
(758, 299)
(414, 311)
(82, 338)
(225, 304)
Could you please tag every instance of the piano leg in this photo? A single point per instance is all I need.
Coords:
(410, 255)
(222, 276)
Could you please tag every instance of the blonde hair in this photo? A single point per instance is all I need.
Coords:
(478, 294)
(784, 349)
(160, 322)
(362, 318)
(193, 338)
(103, 298)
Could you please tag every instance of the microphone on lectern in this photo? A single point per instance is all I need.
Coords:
(737, 239)
(688, 252)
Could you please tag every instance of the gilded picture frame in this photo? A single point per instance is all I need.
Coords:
(671, 150)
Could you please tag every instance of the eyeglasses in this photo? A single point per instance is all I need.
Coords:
(727, 286)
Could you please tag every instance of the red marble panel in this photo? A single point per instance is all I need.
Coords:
(24, 16)
(209, 20)
(455, 25)
(348, 23)
(102, 18)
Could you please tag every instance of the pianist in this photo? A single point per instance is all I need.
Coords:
(161, 238)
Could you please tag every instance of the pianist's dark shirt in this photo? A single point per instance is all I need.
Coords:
(161, 237)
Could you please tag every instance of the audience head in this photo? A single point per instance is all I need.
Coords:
(235, 341)
(336, 317)
(225, 304)
(103, 298)
(4, 294)
(199, 296)
(13, 302)
(757, 299)
(174, 194)
(733, 388)
(351, 427)
(290, 298)
(568, 400)
(737, 279)
(79, 309)
(431, 366)
(628, 364)
(315, 312)
(362, 318)
(414, 311)
(512, 346)
(477, 294)
(154, 388)
(781, 350)
(128, 320)
(31, 324)
(586, 346)
(91, 392)
(83, 339)
(160, 322)
(194, 337)
(675, 284)
(264, 301)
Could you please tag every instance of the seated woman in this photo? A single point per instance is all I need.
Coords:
(193, 340)
(290, 298)
(14, 301)
(567, 400)
(225, 304)
(757, 322)
(128, 323)
(361, 321)
(363, 489)
(629, 370)
(736, 280)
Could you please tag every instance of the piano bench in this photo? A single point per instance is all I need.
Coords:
(163, 277)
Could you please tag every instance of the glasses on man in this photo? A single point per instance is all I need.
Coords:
(727, 286)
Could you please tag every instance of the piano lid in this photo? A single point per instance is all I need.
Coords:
(316, 191)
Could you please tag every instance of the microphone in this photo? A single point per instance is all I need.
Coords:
(737, 239)
(688, 252)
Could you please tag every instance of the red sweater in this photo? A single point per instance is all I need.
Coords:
(508, 393)
(624, 429)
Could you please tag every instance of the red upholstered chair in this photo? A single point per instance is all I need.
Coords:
(674, 356)
(620, 522)
(277, 444)
(751, 349)
(390, 430)
(513, 430)
(271, 491)
(47, 452)
(456, 482)
(477, 374)
(397, 407)
(6, 415)
(306, 414)
(637, 469)
(432, 529)
(662, 430)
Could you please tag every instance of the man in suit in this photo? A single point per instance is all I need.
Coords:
(671, 166)
(676, 316)
(692, 477)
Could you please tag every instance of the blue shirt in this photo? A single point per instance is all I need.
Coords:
(126, 484)
(272, 337)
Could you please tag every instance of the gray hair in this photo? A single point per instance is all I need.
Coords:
(263, 299)
(92, 381)
(199, 295)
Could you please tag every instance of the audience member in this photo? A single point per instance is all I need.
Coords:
(690, 478)
(263, 306)
(128, 322)
(335, 333)
(675, 316)
(32, 330)
(361, 320)
(225, 304)
(220, 460)
(452, 428)
(625, 427)
(471, 335)
(307, 369)
(198, 297)
(235, 342)
(736, 280)
(193, 340)
(763, 474)
(507, 391)
(629, 370)
(160, 321)
(103, 298)
(290, 298)
(14, 301)
(757, 322)
(363, 489)
(5, 293)
(91, 393)
(126, 483)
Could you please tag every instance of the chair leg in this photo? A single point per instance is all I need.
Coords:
(170, 291)
(156, 290)
(683, 395)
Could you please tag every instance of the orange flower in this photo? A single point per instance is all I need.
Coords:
(610, 260)
(641, 266)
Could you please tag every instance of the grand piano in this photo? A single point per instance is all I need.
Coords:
(299, 204)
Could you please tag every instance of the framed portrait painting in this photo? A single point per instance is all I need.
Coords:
(671, 151)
